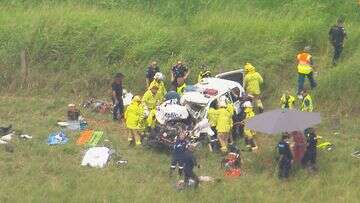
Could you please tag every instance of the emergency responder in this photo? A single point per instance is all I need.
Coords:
(190, 162)
(117, 92)
(287, 101)
(224, 123)
(152, 69)
(212, 117)
(151, 99)
(249, 134)
(204, 73)
(286, 158)
(307, 103)
(134, 120)
(178, 152)
(337, 35)
(309, 159)
(252, 82)
(179, 70)
(159, 81)
(305, 69)
(180, 89)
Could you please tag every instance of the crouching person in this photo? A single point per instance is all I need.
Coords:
(178, 153)
(285, 157)
(224, 123)
(134, 119)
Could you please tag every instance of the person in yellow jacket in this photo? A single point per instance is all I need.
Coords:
(212, 118)
(252, 82)
(224, 123)
(307, 103)
(204, 73)
(181, 86)
(305, 69)
(151, 99)
(287, 101)
(134, 119)
(249, 134)
(159, 81)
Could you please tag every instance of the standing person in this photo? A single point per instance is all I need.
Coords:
(285, 157)
(178, 152)
(307, 103)
(305, 69)
(337, 35)
(252, 82)
(287, 101)
(134, 120)
(151, 99)
(152, 69)
(178, 71)
(309, 158)
(117, 91)
(159, 81)
(190, 162)
(212, 117)
(224, 123)
(249, 134)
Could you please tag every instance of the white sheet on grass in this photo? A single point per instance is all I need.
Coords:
(96, 157)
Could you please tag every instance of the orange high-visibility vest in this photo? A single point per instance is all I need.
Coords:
(304, 65)
(304, 58)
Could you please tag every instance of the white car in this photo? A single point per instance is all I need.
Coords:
(210, 89)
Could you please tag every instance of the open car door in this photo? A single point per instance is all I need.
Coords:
(235, 75)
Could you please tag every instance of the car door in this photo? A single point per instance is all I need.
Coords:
(235, 75)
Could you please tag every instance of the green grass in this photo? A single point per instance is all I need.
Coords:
(74, 48)
(53, 173)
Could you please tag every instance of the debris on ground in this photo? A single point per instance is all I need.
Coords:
(356, 154)
(57, 138)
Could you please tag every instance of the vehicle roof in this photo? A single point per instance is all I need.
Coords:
(221, 85)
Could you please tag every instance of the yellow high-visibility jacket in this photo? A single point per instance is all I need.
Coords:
(307, 104)
(134, 116)
(224, 120)
(287, 101)
(162, 89)
(151, 101)
(252, 81)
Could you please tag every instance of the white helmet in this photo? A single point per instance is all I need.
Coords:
(159, 76)
(247, 104)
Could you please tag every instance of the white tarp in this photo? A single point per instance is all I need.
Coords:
(170, 111)
(96, 157)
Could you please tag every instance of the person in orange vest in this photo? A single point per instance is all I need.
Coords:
(305, 69)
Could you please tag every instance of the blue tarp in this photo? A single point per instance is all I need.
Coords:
(57, 138)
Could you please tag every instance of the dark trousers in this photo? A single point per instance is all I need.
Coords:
(338, 48)
(118, 109)
(284, 168)
(177, 162)
(189, 173)
(301, 81)
(309, 158)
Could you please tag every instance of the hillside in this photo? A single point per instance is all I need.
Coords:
(73, 48)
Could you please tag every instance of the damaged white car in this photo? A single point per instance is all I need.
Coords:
(191, 112)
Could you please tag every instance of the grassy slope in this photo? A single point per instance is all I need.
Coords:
(76, 40)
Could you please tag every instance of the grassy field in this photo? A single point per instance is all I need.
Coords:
(74, 48)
